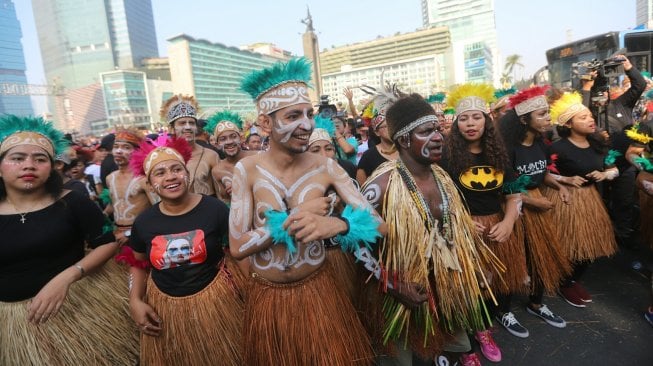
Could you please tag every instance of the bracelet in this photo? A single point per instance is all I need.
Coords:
(81, 270)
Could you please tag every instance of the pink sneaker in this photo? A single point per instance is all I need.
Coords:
(470, 360)
(489, 349)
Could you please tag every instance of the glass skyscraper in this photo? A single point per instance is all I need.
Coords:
(12, 62)
(81, 38)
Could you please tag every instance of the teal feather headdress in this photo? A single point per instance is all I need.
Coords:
(436, 98)
(258, 82)
(223, 116)
(324, 129)
(11, 124)
(503, 92)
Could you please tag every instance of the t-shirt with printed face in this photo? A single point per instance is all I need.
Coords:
(183, 251)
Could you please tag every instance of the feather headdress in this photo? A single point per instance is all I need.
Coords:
(324, 129)
(436, 98)
(568, 105)
(152, 152)
(35, 131)
(279, 86)
(528, 100)
(634, 134)
(471, 97)
(383, 98)
(130, 134)
(179, 106)
(224, 121)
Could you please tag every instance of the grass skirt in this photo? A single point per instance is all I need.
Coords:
(199, 329)
(93, 326)
(236, 277)
(511, 253)
(309, 322)
(343, 267)
(583, 225)
(646, 217)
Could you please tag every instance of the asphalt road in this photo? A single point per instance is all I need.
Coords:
(609, 331)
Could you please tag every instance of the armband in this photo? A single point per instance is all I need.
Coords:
(611, 174)
(362, 228)
(518, 185)
(274, 222)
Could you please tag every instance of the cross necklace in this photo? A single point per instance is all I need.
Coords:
(23, 214)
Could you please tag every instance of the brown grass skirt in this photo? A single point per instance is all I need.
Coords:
(93, 326)
(511, 253)
(309, 322)
(584, 226)
(646, 217)
(199, 329)
(546, 258)
(343, 267)
(238, 280)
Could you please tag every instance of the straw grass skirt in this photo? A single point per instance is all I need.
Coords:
(646, 217)
(93, 326)
(547, 261)
(238, 280)
(343, 267)
(199, 329)
(309, 322)
(511, 253)
(583, 225)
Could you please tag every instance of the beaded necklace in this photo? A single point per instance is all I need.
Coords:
(420, 202)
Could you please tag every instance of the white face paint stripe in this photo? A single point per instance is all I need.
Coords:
(425, 151)
(286, 129)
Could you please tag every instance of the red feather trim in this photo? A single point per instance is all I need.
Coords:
(552, 167)
(526, 94)
(126, 256)
(138, 156)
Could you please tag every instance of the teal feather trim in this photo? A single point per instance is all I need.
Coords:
(10, 124)
(611, 157)
(436, 98)
(649, 94)
(325, 124)
(645, 164)
(258, 82)
(274, 223)
(518, 185)
(225, 115)
(107, 227)
(105, 196)
(503, 92)
(363, 229)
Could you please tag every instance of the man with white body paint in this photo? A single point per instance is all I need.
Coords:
(129, 194)
(180, 112)
(292, 294)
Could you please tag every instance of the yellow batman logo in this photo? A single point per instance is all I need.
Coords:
(481, 178)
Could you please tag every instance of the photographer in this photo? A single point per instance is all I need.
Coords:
(620, 108)
(620, 193)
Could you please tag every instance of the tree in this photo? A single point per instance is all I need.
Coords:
(506, 79)
(511, 62)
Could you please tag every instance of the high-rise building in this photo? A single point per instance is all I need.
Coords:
(12, 61)
(417, 62)
(79, 39)
(644, 13)
(472, 27)
(212, 72)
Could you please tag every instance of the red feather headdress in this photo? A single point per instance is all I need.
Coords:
(528, 100)
(163, 148)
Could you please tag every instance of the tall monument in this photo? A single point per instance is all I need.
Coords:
(312, 52)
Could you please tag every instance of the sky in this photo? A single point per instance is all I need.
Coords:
(526, 28)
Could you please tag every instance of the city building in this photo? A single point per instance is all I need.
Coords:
(417, 62)
(83, 111)
(12, 63)
(644, 13)
(473, 35)
(125, 99)
(212, 72)
(79, 39)
(268, 49)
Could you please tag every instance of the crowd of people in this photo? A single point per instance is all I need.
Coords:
(396, 236)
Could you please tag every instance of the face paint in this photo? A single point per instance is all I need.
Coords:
(157, 188)
(286, 129)
(186, 128)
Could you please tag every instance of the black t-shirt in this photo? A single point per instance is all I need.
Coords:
(349, 167)
(621, 142)
(184, 251)
(531, 161)
(481, 185)
(77, 186)
(572, 160)
(51, 240)
(371, 160)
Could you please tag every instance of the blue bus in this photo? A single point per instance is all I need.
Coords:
(638, 45)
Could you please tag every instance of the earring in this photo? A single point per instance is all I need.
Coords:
(408, 143)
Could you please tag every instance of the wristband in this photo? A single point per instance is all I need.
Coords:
(362, 228)
(81, 270)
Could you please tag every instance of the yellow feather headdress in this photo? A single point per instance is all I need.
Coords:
(634, 134)
(568, 105)
(471, 97)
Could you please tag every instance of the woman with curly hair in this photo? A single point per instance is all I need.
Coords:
(476, 159)
(522, 128)
(580, 159)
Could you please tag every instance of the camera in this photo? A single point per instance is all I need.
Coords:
(324, 109)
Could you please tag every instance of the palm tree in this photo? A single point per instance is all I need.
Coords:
(506, 79)
(511, 62)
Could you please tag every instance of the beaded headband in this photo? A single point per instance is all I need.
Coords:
(181, 110)
(413, 125)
